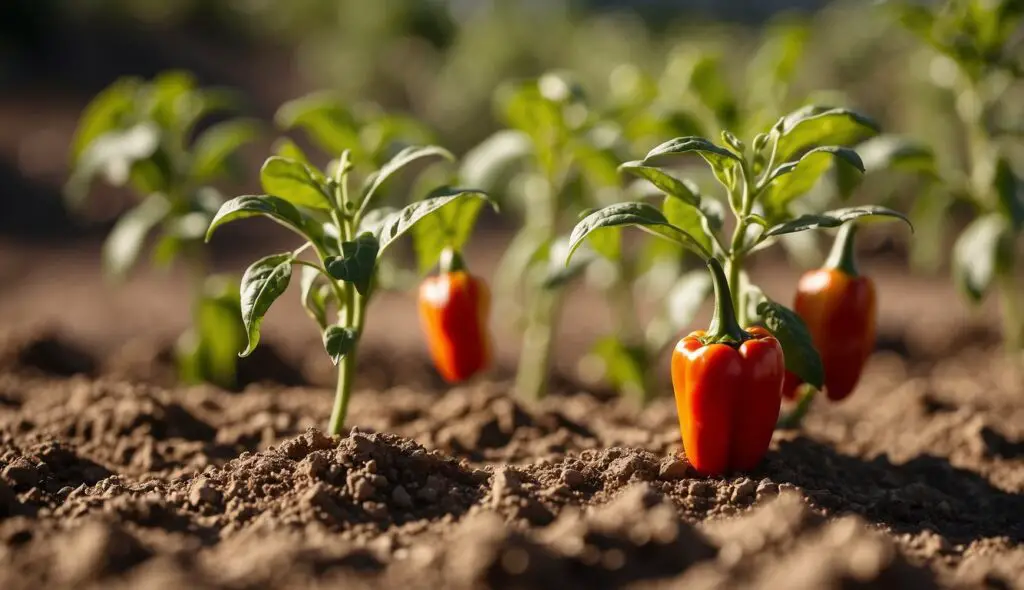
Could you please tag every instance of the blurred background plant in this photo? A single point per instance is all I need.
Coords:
(149, 136)
(974, 57)
(651, 69)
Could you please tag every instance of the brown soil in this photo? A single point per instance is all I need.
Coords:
(108, 481)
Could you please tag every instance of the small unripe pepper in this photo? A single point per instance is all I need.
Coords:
(728, 386)
(839, 307)
(454, 308)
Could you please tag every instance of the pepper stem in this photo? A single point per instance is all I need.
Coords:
(843, 256)
(724, 328)
(451, 260)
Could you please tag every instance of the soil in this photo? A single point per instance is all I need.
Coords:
(109, 480)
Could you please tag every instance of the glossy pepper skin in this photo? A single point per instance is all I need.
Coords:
(728, 389)
(840, 309)
(454, 307)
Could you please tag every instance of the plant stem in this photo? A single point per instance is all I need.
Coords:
(843, 254)
(355, 308)
(796, 416)
(543, 306)
(736, 250)
(724, 328)
(538, 338)
(1013, 315)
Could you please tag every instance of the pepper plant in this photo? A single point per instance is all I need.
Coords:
(978, 61)
(550, 159)
(150, 137)
(762, 183)
(346, 233)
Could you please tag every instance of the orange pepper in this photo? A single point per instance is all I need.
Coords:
(727, 384)
(454, 307)
(839, 307)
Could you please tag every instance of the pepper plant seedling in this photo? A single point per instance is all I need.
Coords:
(554, 147)
(348, 236)
(146, 135)
(978, 61)
(762, 182)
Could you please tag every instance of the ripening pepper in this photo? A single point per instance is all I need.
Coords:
(728, 386)
(839, 307)
(454, 308)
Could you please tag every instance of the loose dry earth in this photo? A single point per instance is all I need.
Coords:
(107, 480)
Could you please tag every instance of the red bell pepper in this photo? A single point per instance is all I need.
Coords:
(839, 307)
(454, 308)
(727, 384)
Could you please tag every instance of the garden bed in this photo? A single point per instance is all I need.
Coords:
(107, 479)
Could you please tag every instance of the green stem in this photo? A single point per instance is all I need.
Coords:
(843, 254)
(794, 418)
(736, 250)
(538, 339)
(724, 328)
(355, 309)
(451, 261)
(1013, 315)
(543, 306)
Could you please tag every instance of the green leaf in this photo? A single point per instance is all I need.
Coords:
(106, 112)
(313, 298)
(718, 157)
(893, 152)
(686, 297)
(215, 145)
(372, 220)
(606, 242)
(401, 160)
(684, 190)
(339, 341)
(491, 160)
(792, 179)
(123, 244)
(166, 98)
(449, 227)
(330, 125)
(287, 149)
(558, 274)
(705, 78)
(113, 154)
(387, 131)
(625, 367)
(797, 346)
(1010, 197)
(689, 219)
(357, 262)
(275, 208)
(815, 125)
(401, 221)
(295, 182)
(640, 215)
(976, 254)
(833, 218)
(263, 282)
(220, 332)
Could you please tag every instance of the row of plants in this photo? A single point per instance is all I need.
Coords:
(563, 162)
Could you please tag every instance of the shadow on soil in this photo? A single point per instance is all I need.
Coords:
(925, 493)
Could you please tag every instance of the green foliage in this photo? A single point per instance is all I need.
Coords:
(753, 184)
(149, 136)
(347, 237)
(975, 40)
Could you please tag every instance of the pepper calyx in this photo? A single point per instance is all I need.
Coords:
(724, 327)
(451, 261)
(843, 257)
